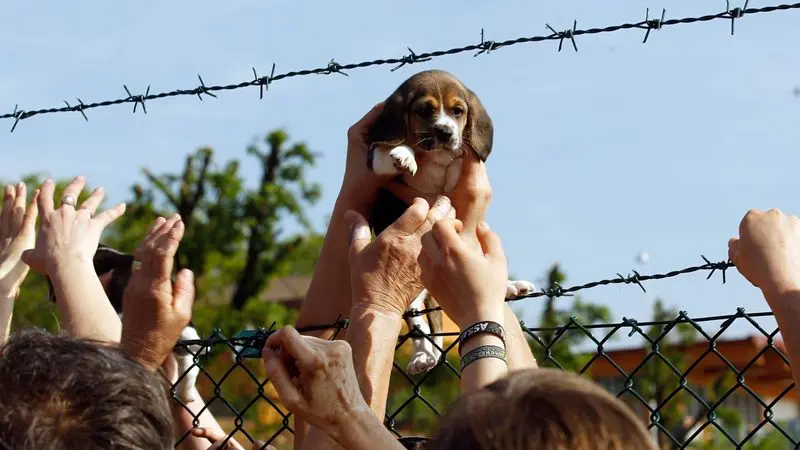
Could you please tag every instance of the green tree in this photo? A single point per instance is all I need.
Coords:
(234, 237)
(556, 348)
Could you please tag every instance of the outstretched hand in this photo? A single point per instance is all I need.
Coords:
(17, 235)
(70, 233)
(156, 308)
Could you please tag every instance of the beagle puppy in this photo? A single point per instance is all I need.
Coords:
(420, 137)
(114, 270)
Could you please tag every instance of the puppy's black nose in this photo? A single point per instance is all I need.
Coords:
(443, 134)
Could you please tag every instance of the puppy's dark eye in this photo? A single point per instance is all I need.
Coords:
(458, 111)
(425, 111)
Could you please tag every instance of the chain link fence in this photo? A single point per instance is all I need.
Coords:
(696, 383)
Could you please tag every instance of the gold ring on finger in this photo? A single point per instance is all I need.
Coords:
(136, 265)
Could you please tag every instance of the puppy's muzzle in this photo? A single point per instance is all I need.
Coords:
(445, 136)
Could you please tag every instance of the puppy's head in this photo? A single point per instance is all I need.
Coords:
(434, 111)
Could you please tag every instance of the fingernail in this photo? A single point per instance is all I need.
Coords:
(98, 189)
(20, 185)
(177, 216)
(483, 226)
(361, 232)
(442, 207)
(48, 181)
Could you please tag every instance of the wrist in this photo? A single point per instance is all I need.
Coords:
(357, 428)
(67, 265)
(494, 313)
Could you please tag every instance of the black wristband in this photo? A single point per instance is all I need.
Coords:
(480, 328)
(484, 351)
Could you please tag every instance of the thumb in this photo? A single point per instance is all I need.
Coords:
(733, 250)
(360, 235)
(490, 242)
(183, 292)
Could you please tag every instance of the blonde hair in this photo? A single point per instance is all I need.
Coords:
(542, 409)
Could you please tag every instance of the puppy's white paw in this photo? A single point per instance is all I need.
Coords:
(403, 160)
(421, 362)
(521, 287)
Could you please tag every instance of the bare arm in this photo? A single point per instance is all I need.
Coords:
(786, 306)
(518, 351)
(83, 306)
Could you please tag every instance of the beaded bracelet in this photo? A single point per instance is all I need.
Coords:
(484, 351)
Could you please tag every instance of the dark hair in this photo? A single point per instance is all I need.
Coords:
(542, 409)
(61, 393)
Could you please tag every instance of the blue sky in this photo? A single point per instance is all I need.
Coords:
(599, 154)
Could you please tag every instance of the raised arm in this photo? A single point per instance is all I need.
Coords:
(767, 253)
(17, 234)
(328, 296)
(67, 240)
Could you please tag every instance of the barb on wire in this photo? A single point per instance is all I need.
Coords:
(263, 82)
(566, 34)
(735, 13)
(202, 89)
(652, 24)
(412, 57)
(137, 99)
(486, 46)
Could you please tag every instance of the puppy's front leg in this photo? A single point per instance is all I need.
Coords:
(392, 161)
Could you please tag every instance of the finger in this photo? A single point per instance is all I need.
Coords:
(425, 265)
(446, 235)
(431, 249)
(93, 201)
(165, 247)
(46, 197)
(440, 210)
(472, 192)
(733, 250)
(207, 433)
(74, 188)
(411, 220)
(291, 342)
(151, 232)
(360, 235)
(165, 228)
(280, 379)
(21, 196)
(360, 128)
(183, 292)
(31, 213)
(108, 216)
(490, 242)
(8, 211)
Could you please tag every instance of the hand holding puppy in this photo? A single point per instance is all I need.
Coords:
(469, 283)
(385, 272)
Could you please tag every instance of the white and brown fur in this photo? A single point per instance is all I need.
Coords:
(114, 269)
(420, 137)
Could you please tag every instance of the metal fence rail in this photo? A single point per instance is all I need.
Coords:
(692, 384)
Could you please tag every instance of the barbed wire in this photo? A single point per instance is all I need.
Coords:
(332, 67)
(636, 278)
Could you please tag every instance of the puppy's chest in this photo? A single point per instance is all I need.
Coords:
(438, 173)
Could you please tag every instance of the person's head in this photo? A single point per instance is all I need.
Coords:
(60, 393)
(541, 409)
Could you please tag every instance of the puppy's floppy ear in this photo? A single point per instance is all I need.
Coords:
(390, 127)
(479, 129)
